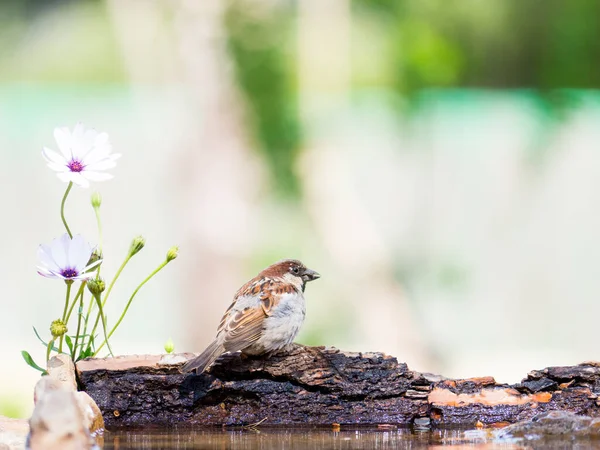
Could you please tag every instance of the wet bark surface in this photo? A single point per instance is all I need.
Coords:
(323, 386)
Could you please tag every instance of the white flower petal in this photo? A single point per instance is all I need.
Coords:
(53, 157)
(92, 266)
(64, 241)
(101, 140)
(97, 154)
(73, 252)
(63, 140)
(79, 179)
(96, 176)
(65, 176)
(101, 165)
(83, 276)
(79, 253)
(58, 167)
(45, 257)
(85, 144)
(58, 249)
(110, 159)
(78, 131)
(46, 273)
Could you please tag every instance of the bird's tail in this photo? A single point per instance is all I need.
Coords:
(206, 358)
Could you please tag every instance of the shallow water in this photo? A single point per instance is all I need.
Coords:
(309, 438)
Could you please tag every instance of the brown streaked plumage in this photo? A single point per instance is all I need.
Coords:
(264, 317)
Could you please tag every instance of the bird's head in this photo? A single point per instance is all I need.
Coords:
(293, 271)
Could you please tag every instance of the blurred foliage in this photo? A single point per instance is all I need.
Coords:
(543, 44)
(258, 40)
(12, 406)
(58, 41)
(407, 46)
(398, 46)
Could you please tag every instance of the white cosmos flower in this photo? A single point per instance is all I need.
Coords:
(84, 155)
(66, 258)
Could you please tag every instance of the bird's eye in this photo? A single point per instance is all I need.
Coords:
(295, 270)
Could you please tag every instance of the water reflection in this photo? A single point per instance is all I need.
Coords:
(265, 439)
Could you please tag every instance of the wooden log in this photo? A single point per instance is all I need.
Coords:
(323, 386)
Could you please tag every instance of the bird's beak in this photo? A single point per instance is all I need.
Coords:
(310, 275)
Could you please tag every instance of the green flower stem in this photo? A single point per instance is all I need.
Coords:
(89, 310)
(112, 283)
(100, 240)
(158, 269)
(97, 212)
(62, 211)
(79, 315)
(69, 283)
(79, 294)
(87, 315)
(101, 313)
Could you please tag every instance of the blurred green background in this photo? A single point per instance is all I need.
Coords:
(435, 160)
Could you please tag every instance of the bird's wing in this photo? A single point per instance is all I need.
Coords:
(242, 323)
(243, 328)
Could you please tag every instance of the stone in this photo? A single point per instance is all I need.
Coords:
(61, 377)
(92, 416)
(57, 423)
(13, 433)
(422, 422)
(171, 359)
(46, 384)
(62, 369)
(553, 423)
(63, 418)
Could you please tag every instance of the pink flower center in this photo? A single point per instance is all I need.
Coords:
(75, 166)
(69, 273)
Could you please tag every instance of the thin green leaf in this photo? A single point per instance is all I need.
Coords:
(42, 341)
(92, 342)
(85, 354)
(49, 349)
(79, 339)
(30, 362)
(90, 346)
(69, 343)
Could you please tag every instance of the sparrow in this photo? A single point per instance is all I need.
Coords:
(264, 317)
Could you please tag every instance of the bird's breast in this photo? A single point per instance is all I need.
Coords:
(283, 324)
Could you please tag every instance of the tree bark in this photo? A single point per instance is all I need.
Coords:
(323, 386)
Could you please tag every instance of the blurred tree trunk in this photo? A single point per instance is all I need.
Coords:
(215, 172)
(384, 319)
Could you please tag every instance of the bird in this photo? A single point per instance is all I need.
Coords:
(264, 317)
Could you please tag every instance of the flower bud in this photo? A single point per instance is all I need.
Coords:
(58, 328)
(136, 245)
(169, 346)
(95, 256)
(172, 253)
(96, 200)
(96, 286)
